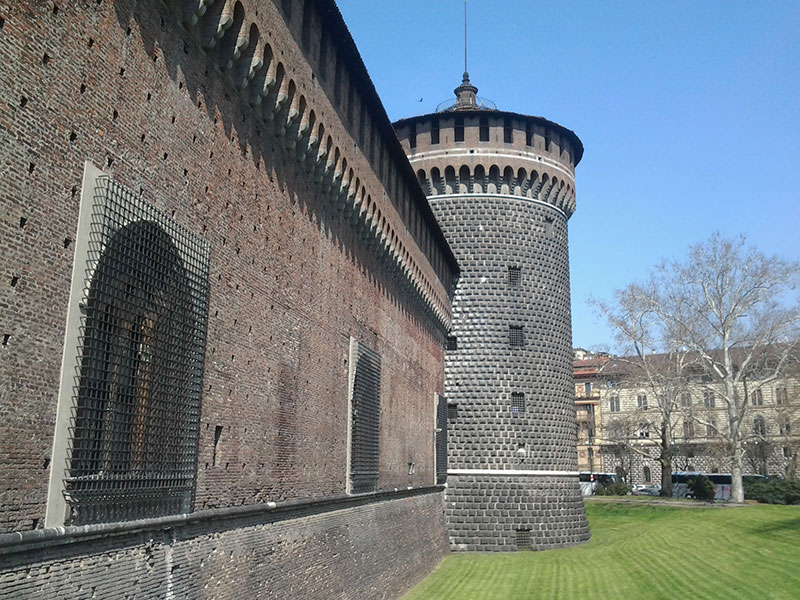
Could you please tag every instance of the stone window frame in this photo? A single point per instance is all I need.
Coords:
(613, 403)
(641, 401)
(194, 251)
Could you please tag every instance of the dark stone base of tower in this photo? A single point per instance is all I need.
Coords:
(489, 513)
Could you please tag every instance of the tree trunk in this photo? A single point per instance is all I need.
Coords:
(665, 459)
(666, 476)
(737, 490)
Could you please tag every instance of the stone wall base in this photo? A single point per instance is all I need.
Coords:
(490, 513)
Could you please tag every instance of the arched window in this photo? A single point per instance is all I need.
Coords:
(131, 444)
(759, 426)
(647, 475)
(641, 401)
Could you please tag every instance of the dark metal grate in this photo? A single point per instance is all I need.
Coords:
(442, 409)
(514, 276)
(517, 403)
(452, 411)
(516, 335)
(523, 539)
(136, 400)
(365, 425)
(452, 343)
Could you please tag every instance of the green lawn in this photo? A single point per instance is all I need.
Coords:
(641, 552)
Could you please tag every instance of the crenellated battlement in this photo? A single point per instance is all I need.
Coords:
(493, 152)
(370, 181)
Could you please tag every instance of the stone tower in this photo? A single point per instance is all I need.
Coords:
(502, 186)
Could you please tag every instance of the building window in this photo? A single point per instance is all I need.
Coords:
(759, 426)
(516, 335)
(517, 403)
(131, 445)
(787, 452)
(452, 411)
(522, 538)
(458, 130)
(434, 131)
(781, 399)
(709, 401)
(647, 475)
(514, 276)
(785, 425)
(452, 343)
(412, 136)
(686, 400)
(711, 428)
(483, 126)
(757, 398)
(365, 417)
(641, 401)
(644, 430)
(688, 429)
(613, 404)
(508, 132)
(442, 410)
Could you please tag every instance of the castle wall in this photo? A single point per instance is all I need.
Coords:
(321, 552)
(253, 126)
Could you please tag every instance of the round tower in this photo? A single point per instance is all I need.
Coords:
(502, 187)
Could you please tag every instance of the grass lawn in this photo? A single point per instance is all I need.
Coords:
(641, 552)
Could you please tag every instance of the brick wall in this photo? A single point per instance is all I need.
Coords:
(313, 241)
(328, 552)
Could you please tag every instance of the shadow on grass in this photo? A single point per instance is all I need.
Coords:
(782, 525)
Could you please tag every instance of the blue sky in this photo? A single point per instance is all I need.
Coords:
(689, 112)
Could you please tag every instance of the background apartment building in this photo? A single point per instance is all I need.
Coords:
(623, 414)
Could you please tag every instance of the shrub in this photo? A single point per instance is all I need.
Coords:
(613, 488)
(701, 488)
(773, 491)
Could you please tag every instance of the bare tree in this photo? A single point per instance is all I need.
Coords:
(649, 361)
(729, 305)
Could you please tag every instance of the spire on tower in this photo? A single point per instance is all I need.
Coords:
(466, 92)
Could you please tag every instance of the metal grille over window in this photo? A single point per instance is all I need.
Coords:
(452, 343)
(517, 403)
(452, 412)
(132, 451)
(442, 408)
(516, 335)
(365, 419)
(523, 539)
(514, 276)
